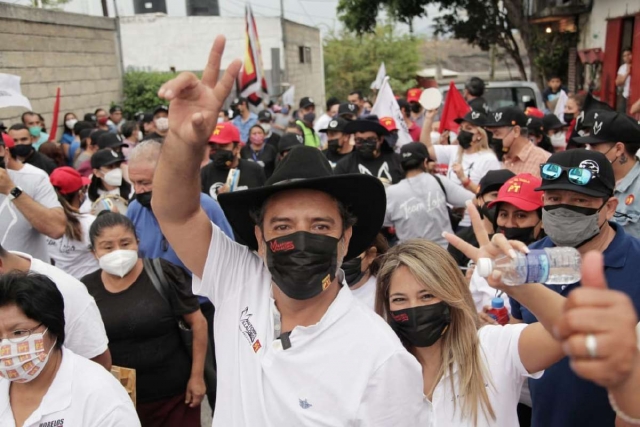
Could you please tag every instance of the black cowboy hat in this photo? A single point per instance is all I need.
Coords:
(307, 168)
(366, 124)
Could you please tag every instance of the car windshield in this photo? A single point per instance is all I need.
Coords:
(498, 97)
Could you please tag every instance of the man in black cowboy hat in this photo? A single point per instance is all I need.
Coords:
(293, 345)
(372, 155)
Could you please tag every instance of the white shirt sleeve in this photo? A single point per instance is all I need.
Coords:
(445, 153)
(229, 267)
(622, 70)
(86, 335)
(394, 396)
(500, 343)
(457, 195)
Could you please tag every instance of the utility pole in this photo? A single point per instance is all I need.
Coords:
(283, 77)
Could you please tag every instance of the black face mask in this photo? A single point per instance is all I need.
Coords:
(223, 159)
(392, 139)
(2, 165)
(353, 271)
(524, 235)
(486, 212)
(309, 118)
(568, 117)
(144, 199)
(22, 151)
(302, 264)
(333, 145)
(496, 144)
(415, 107)
(421, 326)
(367, 148)
(464, 139)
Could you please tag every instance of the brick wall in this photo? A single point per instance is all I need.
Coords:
(50, 49)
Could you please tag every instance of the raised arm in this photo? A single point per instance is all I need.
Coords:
(193, 114)
(425, 133)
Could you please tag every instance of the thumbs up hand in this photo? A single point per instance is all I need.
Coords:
(598, 328)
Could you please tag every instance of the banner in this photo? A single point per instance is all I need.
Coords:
(53, 130)
(253, 84)
(387, 106)
(454, 107)
(382, 73)
(288, 98)
(10, 93)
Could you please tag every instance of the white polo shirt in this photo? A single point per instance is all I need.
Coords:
(367, 293)
(84, 330)
(83, 393)
(499, 346)
(349, 369)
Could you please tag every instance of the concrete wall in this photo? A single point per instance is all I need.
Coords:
(594, 30)
(49, 49)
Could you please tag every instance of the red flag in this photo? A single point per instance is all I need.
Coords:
(253, 84)
(454, 107)
(54, 121)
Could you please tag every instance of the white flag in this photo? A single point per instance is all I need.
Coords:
(387, 106)
(382, 73)
(10, 93)
(562, 101)
(289, 96)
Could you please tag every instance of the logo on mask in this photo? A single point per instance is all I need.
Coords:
(280, 247)
(592, 165)
(248, 330)
(326, 282)
(597, 127)
(475, 115)
(403, 317)
(498, 117)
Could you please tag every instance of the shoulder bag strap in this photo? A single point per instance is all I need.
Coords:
(149, 267)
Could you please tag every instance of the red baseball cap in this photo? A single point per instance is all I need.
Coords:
(534, 112)
(388, 123)
(413, 95)
(520, 191)
(67, 180)
(225, 133)
(8, 141)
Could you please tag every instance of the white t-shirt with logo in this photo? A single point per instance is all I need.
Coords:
(627, 83)
(83, 393)
(16, 233)
(499, 348)
(74, 256)
(84, 330)
(367, 293)
(349, 369)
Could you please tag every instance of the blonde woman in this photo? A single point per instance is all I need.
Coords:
(472, 376)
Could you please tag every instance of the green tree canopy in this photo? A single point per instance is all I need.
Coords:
(351, 62)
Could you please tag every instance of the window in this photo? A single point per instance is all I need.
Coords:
(202, 8)
(305, 54)
(149, 6)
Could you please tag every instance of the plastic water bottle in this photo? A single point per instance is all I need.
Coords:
(552, 266)
(498, 311)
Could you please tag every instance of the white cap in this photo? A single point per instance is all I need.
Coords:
(484, 267)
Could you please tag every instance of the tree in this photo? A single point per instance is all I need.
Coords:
(352, 61)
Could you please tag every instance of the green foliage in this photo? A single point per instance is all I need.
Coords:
(141, 91)
(360, 15)
(351, 62)
(552, 52)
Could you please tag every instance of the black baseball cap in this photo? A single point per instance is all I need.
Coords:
(90, 117)
(110, 140)
(609, 126)
(535, 124)
(147, 117)
(289, 141)
(552, 122)
(85, 133)
(96, 134)
(105, 157)
(412, 154)
(476, 118)
(602, 183)
(493, 180)
(306, 102)
(114, 109)
(335, 125)
(506, 116)
(161, 108)
(265, 116)
(347, 108)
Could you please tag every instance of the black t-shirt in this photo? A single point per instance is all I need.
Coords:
(41, 162)
(480, 104)
(273, 140)
(386, 166)
(334, 157)
(468, 236)
(212, 178)
(265, 157)
(143, 331)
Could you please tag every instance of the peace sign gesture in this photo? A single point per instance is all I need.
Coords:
(195, 104)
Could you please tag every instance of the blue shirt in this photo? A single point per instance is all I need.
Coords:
(245, 127)
(561, 398)
(628, 210)
(154, 245)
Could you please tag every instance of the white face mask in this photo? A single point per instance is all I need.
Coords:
(113, 177)
(70, 123)
(22, 362)
(266, 127)
(118, 263)
(162, 124)
(559, 140)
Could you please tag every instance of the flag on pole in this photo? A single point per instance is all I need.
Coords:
(387, 106)
(288, 98)
(10, 93)
(382, 73)
(560, 104)
(454, 107)
(253, 84)
(56, 114)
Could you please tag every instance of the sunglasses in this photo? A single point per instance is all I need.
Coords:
(577, 176)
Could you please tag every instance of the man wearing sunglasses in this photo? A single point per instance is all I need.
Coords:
(578, 210)
(617, 136)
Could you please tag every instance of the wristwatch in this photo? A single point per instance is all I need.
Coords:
(15, 193)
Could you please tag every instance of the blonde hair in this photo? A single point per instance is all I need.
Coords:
(483, 144)
(434, 268)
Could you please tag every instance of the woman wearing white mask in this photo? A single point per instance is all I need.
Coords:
(142, 328)
(44, 383)
(107, 178)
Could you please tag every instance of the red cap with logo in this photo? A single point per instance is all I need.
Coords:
(388, 123)
(520, 191)
(413, 95)
(8, 141)
(67, 180)
(225, 133)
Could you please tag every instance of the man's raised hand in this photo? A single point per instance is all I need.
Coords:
(195, 104)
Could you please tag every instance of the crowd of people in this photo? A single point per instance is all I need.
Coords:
(296, 270)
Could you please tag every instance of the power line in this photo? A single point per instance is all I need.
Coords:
(307, 13)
